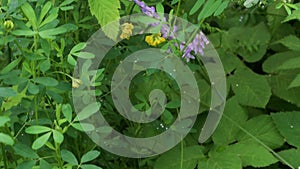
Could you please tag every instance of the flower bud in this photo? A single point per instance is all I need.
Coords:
(8, 25)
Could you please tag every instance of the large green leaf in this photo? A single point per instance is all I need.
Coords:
(273, 62)
(173, 159)
(280, 87)
(293, 63)
(295, 82)
(250, 88)
(227, 131)
(291, 156)
(252, 154)
(288, 124)
(262, 128)
(221, 160)
(291, 42)
(249, 42)
(106, 12)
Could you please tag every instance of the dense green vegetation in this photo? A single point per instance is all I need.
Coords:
(258, 42)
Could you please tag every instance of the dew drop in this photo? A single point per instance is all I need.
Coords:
(292, 126)
(237, 85)
(174, 70)
(212, 83)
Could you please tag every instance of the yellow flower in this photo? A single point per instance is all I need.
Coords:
(76, 83)
(155, 39)
(126, 30)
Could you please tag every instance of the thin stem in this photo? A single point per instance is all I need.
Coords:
(4, 156)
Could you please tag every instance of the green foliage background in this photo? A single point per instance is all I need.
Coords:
(259, 46)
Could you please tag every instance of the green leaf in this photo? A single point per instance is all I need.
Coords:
(7, 92)
(271, 65)
(69, 157)
(11, 66)
(288, 125)
(24, 151)
(44, 11)
(22, 32)
(89, 156)
(41, 141)
(262, 128)
(221, 8)
(26, 164)
(66, 2)
(51, 17)
(45, 165)
(6, 139)
(89, 166)
(46, 81)
(30, 14)
(292, 42)
(204, 12)
(51, 33)
(33, 89)
(291, 156)
(3, 120)
(252, 154)
(226, 131)
(107, 12)
(280, 83)
(71, 60)
(37, 129)
(293, 63)
(88, 111)
(78, 47)
(221, 160)
(172, 159)
(67, 111)
(58, 137)
(252, 45)
(295, 15)
(45, 65)
(250, 88)
(196, 6)
(295, 82)
(85, 127)
(160, 8)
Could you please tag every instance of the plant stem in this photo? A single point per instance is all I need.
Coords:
(4, 156)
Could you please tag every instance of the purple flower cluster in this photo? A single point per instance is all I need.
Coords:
(150, 11)
(197, 45)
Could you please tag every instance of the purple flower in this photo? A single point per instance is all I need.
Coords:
(197, 45)
(150, 11)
